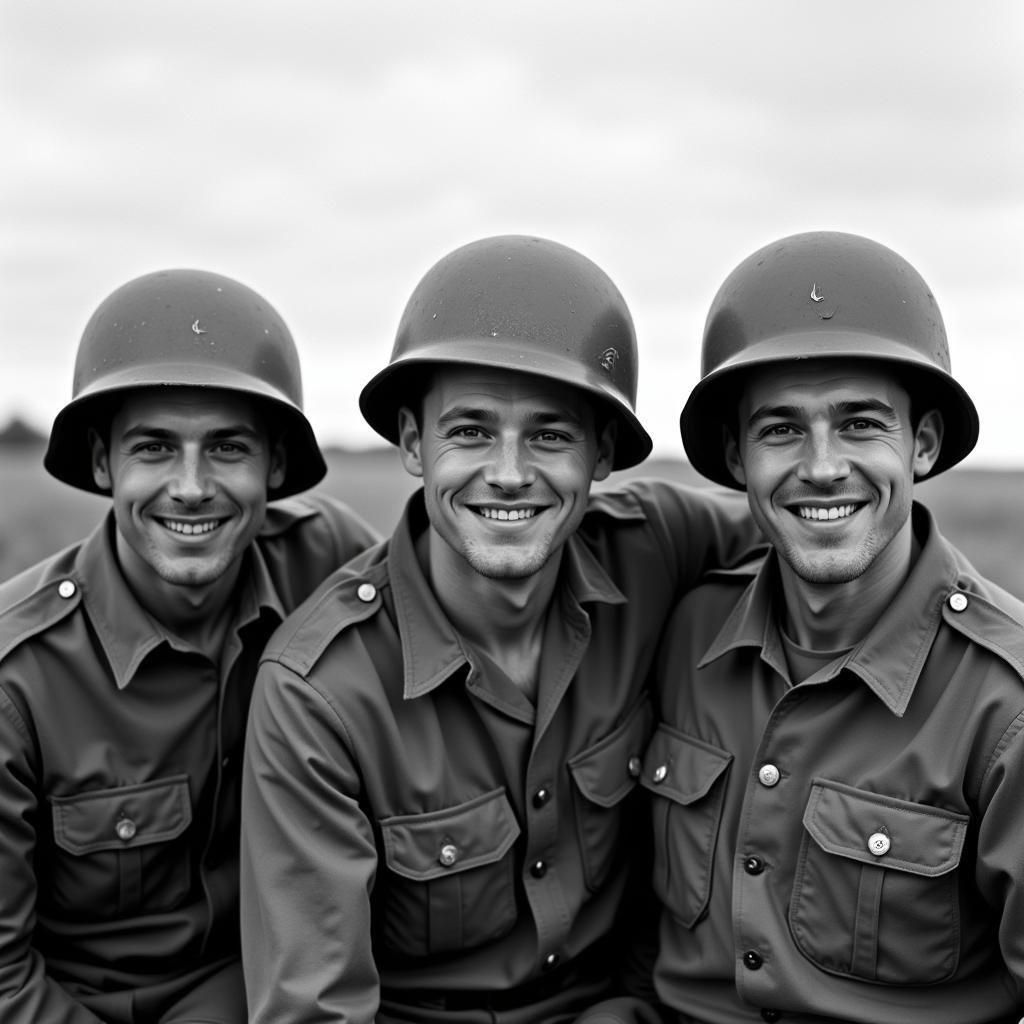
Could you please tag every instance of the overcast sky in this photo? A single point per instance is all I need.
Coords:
(328, 152)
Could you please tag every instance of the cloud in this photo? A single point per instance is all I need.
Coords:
(328, 153)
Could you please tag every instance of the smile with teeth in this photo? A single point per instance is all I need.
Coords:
(190, 529)
(510, 514)
(819, 514)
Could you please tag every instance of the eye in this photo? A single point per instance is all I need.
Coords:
(861, 424)
(468, 432)
(553, 437)
(777, 430)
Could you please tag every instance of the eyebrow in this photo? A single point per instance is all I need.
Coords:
(477, 415)
(220, 434)
(848, 408)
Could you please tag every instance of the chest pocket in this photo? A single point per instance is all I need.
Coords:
(450, 876)
(605, 774)
(120, 850)
(686, 778)
(875, 894)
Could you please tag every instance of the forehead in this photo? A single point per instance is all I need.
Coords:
(495, 389)
(813, 382)
(213, 408)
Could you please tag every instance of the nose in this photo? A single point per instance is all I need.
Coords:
(510, 467)
(190, 482)
(823, 462)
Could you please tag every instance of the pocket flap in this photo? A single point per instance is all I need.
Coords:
(424, 846)
(608, 770)
(122, 818)
(906, 836)
(681, 767)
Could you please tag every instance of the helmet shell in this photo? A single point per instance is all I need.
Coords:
(184, 328)
(821, 295)
(517, 303)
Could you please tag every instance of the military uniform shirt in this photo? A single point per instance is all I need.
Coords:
(120, 762)
(851, 848)
(418, 832)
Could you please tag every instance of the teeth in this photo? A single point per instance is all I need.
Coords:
(835, 512)
(508, 514)
(189, 529)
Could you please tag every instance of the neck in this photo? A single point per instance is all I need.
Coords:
(504, 618)
(197, 615)
(837, 616)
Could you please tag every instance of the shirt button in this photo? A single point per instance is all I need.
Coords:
(538, 869)
(752, 960)
(634, 766)
(125, 829)
(958, 602)
(660, 773)
(753, 865)
(66, 588)
(768, 775)
(771, 1015)
(551, 960)
(541, 797)
(366, 592)
(449, 854)
(878, 844)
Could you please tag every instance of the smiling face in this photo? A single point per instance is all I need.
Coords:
(828, 455)
(507, 460)
(189, 470)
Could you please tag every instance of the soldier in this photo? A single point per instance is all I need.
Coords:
(127, 661)
(445, 739)
(837, 771)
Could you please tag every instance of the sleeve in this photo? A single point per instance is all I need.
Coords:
(27, 994)
(308, 861)
(1000, 863)
(699, 528)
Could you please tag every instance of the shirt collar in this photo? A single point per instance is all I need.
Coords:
(890, 658)
(431, 648)
(126, 631)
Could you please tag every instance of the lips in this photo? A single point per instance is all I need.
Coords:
(512, 515)
(823, 513)
(191, 528)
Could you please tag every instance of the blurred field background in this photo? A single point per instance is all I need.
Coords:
(978, 510)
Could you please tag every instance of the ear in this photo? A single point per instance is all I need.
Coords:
(278, 465)
(100, 462)
(409, 442)
(732, 457)
(606, 450)
(927, 442)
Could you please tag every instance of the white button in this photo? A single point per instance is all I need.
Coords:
(125, 829)
(449, 854)
(66, 588)
(660, 773)
(958, 602)
(634, 767)
(878, 844)
(366, 592)
(768, 775)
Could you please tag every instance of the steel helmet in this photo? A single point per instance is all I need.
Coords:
(187, 328)
(822, 294)
(524, 304)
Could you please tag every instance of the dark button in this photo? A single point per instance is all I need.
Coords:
(771, 1015)
(538, 869)
(753, 865)
(752, 960)
(551, 961)
(541, 797)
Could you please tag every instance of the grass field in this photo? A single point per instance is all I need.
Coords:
(978, 510)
